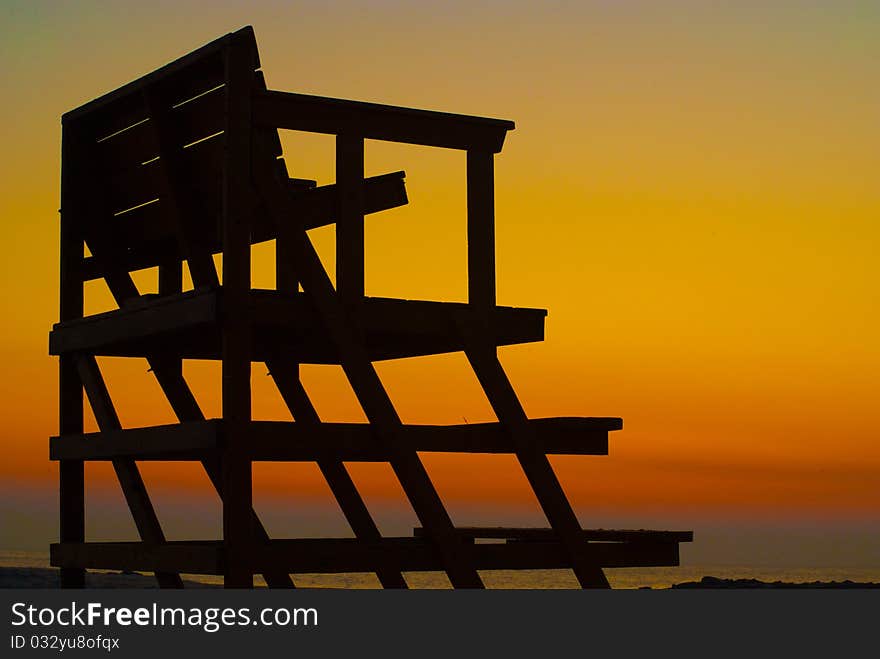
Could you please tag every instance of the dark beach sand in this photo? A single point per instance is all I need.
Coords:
(715, 582)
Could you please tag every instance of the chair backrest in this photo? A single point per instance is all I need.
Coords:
(183, 163)
(145, 164)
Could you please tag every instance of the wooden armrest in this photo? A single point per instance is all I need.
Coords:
(318, 114)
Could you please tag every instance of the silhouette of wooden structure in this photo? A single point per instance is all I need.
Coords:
(185, 163)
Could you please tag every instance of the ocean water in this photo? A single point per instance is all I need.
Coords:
(547, 579)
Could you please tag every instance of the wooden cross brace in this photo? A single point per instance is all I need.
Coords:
(365, 382)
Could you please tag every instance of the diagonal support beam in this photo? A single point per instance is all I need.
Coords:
(455, 555)
(203, 272)
(185, 407)
(285, 373)
(483, 358)
(127, 473)
(353, 507)
(169, 375)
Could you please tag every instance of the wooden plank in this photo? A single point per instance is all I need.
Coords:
(391, 328)
(344, 555)
(149, 235)
(132, 165)
(195, 120)
(534, 463)
(186, 76)
(282, 441)
(405, 320)
(161, 317)
(368, 387)
(97, 226)
(286, 377)
(127, 473)
(319, 206)
(139, 184)
(333, 555)
(238, 535)
(166, 442)
(128, 111)
(203, 342)
(549, 535)
(186, 211)
(552, 555)
(187, 557)
(191, 119)
(350, 219)
(273, 109)
(481, 229)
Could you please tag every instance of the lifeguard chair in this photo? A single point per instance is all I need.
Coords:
(186, 163)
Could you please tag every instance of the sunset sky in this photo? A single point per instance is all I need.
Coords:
(692, 191)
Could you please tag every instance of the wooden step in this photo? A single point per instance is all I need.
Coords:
(188, 326)
(532, 534)
(282, 441)
(340, 555)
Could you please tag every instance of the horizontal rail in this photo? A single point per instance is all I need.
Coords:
(530, 534)
(280, 441)
(316, 207)
(341, 555)
(319, 114)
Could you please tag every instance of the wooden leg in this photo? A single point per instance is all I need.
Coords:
(72, 500)
(237, 526)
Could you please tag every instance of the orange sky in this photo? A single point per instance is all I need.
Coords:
(693, 194)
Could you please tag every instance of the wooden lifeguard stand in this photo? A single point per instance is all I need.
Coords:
(185, 163)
